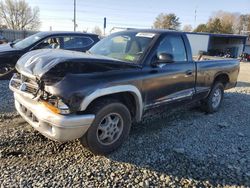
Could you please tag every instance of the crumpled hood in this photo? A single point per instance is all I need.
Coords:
(36, 63)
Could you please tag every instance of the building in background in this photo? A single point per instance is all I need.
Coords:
(218, 44)
(247, 47)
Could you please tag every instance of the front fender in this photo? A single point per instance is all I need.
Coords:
(112, 90)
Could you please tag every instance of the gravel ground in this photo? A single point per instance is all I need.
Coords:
(6, 98)
(183, 148)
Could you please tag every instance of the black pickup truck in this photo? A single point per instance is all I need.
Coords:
(95, 96)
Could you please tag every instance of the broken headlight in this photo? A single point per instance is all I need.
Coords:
(64, 109)
(57, 106)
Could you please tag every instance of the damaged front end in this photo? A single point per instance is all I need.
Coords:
(45, 112)
(61, 79)
(51, 85)
(34, 89)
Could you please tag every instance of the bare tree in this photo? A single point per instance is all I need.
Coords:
(3, 27)
(97, 30)
(167, 21)
(229, 21)
(244, 23)
(18, 15)
(187, 28)
(221, 22)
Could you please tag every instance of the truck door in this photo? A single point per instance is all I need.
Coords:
(169, 82)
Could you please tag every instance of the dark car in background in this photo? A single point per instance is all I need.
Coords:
(11, 52)
(3, 40)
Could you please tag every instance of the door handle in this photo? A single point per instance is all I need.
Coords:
(189, 72)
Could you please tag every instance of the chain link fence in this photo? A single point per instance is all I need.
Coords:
(12, 35)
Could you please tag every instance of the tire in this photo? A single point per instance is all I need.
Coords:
(109, 129)
(213, 102)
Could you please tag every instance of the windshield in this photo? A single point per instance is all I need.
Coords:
(28, 41)
(125, 46)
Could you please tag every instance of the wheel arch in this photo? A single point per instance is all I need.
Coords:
(222, 77)
(113, 91)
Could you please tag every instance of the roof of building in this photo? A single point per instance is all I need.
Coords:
(160, 31)
(219, 34)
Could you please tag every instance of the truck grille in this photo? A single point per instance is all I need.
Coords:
(24, 84)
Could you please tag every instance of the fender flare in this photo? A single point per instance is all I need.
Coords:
(113, 90)
(220, 73)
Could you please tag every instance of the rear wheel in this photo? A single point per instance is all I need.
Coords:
(110, 127)
(213, 102)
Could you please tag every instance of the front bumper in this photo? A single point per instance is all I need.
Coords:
(54, 126)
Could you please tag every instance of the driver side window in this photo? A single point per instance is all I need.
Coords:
(49, 43)
(174, 46)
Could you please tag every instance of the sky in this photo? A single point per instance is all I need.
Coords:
(58, 14)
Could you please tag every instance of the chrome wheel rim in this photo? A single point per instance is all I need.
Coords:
(216, 98)
(109, 129)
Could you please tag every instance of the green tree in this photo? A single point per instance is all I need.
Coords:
(214, 26)
(229, 21)
(201, 28)
(167, 21)
(18, 15)
(221, 22)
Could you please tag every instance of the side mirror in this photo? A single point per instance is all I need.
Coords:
(164, 58)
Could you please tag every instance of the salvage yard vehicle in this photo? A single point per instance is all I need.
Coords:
(11, 52)
(96, 96)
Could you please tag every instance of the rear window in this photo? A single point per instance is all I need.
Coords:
(77, 42)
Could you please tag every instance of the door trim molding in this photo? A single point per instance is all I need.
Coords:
(173, 97)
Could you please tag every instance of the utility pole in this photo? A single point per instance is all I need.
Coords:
(104, 25)
(195, 17)
(74, 15)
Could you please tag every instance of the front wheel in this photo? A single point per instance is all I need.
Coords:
(213, 102)
(110, 127)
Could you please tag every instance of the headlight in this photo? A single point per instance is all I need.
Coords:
(59, 107)
(64, 109)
